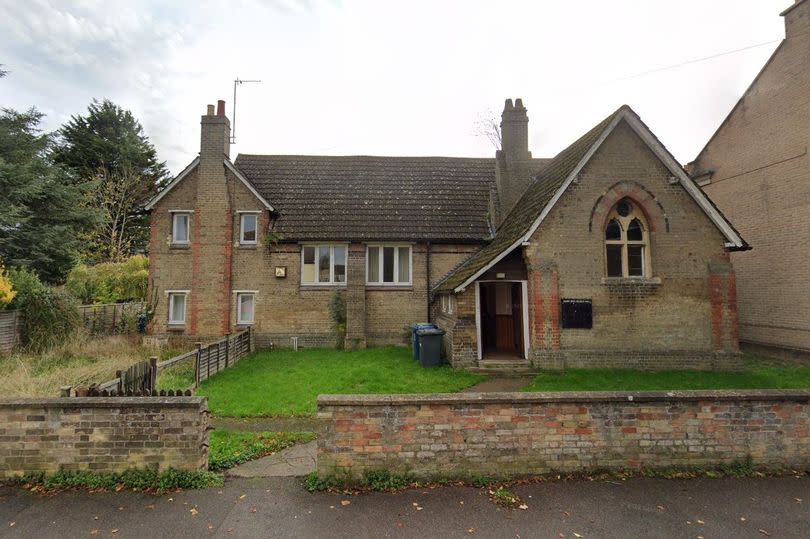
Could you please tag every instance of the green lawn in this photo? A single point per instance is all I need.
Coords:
(760, 373)
(229, 448)
(286, 383)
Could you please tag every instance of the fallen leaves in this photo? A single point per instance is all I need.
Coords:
(193, 511)
(523, 506)
(764, 532)
(344, 503)
(12, 524)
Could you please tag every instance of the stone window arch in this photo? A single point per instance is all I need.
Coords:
(627, 241)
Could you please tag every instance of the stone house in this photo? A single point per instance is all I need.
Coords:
(607, 254)
(757, 169)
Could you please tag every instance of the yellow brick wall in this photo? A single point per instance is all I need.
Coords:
(761, 181)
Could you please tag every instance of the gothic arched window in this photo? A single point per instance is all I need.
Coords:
(627, 241)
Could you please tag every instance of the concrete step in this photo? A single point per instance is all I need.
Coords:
(505, 366)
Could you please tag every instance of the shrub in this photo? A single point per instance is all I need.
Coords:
(337, 311)
(7, 292)
(110, 282)
(48, 315)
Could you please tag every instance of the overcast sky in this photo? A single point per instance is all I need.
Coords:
(386, 78)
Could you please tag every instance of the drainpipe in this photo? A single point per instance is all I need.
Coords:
(427, 272)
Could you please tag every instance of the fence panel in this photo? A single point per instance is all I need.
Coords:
(112, 318)
(221, 355)
(9, 330)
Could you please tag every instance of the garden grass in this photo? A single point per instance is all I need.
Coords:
(287, 383)
(228, 448)
(759, 373)
(178, 376)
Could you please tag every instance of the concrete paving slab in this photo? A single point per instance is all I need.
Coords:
(295, 461)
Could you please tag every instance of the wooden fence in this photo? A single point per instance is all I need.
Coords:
(220, 355)
(208, 360)
(9, 330)
(112, 318)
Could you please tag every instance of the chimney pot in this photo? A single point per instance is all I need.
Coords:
(508, 105)
(221, 107)
(519, 103)
(210, 110)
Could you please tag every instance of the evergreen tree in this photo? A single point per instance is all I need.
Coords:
(108, 146)
(43, 214)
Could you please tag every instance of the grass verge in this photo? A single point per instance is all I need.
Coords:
(759, 373)
(145, 480)
(287, 383)
(383, 480)
(229, 448)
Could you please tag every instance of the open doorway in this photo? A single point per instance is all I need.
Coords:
(502, 319)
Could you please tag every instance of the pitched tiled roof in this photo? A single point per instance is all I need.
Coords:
(375, 198)
(529, 207)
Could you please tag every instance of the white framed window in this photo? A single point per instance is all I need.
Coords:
(388, 265)
(181, 227)
(177, 307)
(447, 303)
(323, 264)
(248, 228)
(245, 308)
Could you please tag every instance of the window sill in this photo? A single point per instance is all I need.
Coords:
(632, 281)
(322, 286)
(252, 246)
(180, 246)
(390, 287)
(244, 325)
(176, 327)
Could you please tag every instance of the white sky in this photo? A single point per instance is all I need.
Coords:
(383, 77)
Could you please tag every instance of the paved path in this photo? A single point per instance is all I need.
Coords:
(280, 507)
(295, 461)
(501, 383)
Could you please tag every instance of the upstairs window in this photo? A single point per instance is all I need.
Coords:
(181, 223)
(627, 242)
(248, 228)
(323, 265)
(388, 265)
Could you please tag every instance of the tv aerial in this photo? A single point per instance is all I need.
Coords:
(237, 82)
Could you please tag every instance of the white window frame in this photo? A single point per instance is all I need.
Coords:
(396, 247)
(242, 215)
(171, 295)
(451, 303)
(175, 214)
(238, 295)
(317, 247)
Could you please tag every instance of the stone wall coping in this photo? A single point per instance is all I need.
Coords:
(584, 397)
(105, 402)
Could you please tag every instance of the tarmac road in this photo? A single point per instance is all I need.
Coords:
(280, 507)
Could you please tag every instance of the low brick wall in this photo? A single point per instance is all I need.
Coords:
(103, 434)
(512, 434)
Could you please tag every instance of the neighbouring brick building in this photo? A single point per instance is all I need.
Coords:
(757, 169)
(607, 254)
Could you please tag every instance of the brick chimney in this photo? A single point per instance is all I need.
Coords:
(797, 19)
(514, 158)
(212, 229)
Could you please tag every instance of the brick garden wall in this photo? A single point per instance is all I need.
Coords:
(103, 434)
(511, 434)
